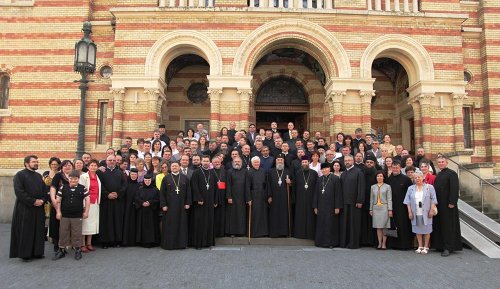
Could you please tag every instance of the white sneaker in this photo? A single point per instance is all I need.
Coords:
(419, 250)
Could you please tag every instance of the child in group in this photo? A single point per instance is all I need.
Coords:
(71, 211)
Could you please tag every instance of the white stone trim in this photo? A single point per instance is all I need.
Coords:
(285, 33)
(406, 50)
(17, 3)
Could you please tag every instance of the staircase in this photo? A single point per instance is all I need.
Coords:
(476, 204)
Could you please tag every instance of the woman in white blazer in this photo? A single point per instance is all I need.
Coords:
(421, 202)
(90, 226)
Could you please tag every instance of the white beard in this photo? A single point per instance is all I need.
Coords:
(236, 167)
(280, 167)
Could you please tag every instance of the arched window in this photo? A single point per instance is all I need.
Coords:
(4, 91)
(281, 90)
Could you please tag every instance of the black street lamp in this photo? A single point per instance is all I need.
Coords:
(85, 52)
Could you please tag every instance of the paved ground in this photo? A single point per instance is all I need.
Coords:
(249, 267)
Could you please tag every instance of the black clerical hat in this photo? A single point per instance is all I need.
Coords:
(304, 158)
(134, 170)
(325, 165)
(161, 126)
(280, 156)
(148, 176)
(371, 157)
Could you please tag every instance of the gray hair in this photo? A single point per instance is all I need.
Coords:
(418, 173)
(255, 158)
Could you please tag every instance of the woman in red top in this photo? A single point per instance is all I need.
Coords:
(90, 226)
(428, 176)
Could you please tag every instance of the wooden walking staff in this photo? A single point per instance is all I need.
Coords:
(288, 198)
(249, 222)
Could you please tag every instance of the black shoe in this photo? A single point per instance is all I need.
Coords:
(26, 260)
(56, 247)
(445, 253)
(78, 254)
(117, 246)
(105, 246)
(39, 257)
(61, 253)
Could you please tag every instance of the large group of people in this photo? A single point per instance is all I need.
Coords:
(188, 190)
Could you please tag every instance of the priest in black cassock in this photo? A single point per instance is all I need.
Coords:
(220, 210)
(399, 185)
(111, 208)
(175, 200)
(28, 221)
(368, 234)
(237, 195)
(259, 207)
(129, 216)
(279, 199)
(204, 192)
(304, 185)
(353, 189)
(147, 201)
(446, 235)
(327, 204)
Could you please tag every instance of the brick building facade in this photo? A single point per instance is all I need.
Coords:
(427, 71)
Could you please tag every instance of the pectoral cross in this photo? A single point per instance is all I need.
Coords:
(177, 190)
(306, 186)
(208, 186)
(323, 191)
(248, 167)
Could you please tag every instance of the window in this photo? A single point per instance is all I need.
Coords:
(467, 120)
(4, 91)
(102, 120)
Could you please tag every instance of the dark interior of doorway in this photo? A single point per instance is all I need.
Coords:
(264, 120)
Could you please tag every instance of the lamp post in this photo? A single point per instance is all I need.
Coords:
(85, 53)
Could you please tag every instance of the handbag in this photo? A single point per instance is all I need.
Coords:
(393, 230)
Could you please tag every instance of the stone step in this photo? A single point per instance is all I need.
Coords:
(466, 198)
(486, 208)
(263, 241)
(475, 204)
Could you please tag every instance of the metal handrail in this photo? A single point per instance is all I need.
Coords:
(481, 180)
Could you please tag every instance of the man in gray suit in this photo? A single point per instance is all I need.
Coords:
(185, 169)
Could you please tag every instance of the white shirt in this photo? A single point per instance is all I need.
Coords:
(419, 197)
(317, 168)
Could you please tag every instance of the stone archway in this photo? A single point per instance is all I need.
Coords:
(301, 34)
(180, 42)
(405, 50)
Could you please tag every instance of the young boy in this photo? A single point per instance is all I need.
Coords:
(70, 211)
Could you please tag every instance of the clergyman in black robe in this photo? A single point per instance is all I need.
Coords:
(204, 192)
(28, 221)
(147, 203)
(368, 234)
(279, 198)
(446, 235)
(111, 208)
(399, 185)
(220, 210)
(353, 189)
(175, 200)
(304, 186)
(327, 204)
(259, 206)
(130, 209)
(237, 195)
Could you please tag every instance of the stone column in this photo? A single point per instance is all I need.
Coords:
(335, 99)
(245, 99)
(214, 95)
(417, 119)
(458, 128)
(426, 116)
(152, 95)
(117, 136)
(366, 109)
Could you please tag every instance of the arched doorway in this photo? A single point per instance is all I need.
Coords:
(288, 85)
(282, 99)
(391, 112)
(187, 102)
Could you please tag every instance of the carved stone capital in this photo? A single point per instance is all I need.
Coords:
(422, 99)
(5, 68)
(366, 96)
(117, 93)
(214, 93)
(152, 93)
(335, 96)
(245, 94)
(458, 98)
